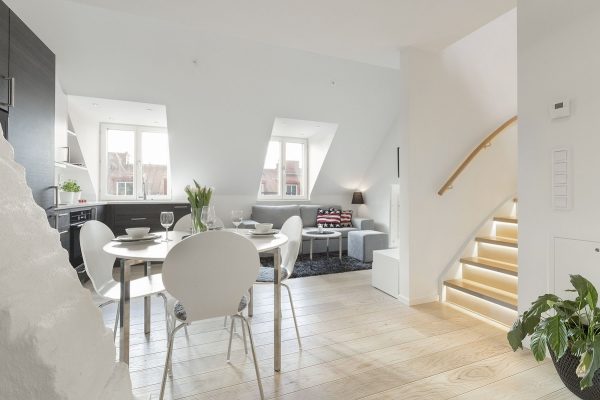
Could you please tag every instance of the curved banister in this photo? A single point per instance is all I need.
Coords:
(487, 142)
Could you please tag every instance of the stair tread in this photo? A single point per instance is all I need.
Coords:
(510, 220)
(500, 240)
(497, 296)
(496, 265)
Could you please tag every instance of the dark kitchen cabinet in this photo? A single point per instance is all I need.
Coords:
(31, 119)
(4, 51)
(122, 216)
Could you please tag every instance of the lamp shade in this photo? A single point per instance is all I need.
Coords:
(357, 198)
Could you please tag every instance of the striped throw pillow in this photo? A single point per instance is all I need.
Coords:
(330, 218)
(346, 219)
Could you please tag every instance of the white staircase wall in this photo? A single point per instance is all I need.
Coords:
(558, 59)
(456, 98)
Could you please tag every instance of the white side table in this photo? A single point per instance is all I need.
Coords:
(385, 272)
(325, 234)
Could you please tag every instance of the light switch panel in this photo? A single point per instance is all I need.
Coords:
(561, 179)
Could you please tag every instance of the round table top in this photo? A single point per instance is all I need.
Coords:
(325, 234)
(157, 250)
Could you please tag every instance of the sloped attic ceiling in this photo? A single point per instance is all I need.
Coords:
(221, 94)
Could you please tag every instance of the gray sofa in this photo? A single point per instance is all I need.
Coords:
(277, 215)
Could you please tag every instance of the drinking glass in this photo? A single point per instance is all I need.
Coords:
(236, 218)
(166, 220)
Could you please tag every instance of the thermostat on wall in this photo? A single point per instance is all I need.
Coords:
(560, 109)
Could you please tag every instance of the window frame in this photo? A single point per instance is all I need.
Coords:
(281, 172)
(137, 156)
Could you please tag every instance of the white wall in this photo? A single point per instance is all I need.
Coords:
(220, 109)
(456, 98)
(377, 182)
(558, 58)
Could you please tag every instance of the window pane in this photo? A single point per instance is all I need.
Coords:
(155, 161)
(269, 183)
(294, 169)
(120, 145)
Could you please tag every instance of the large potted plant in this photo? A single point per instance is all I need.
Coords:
(570, 330)
(198, 197)
(70, 192)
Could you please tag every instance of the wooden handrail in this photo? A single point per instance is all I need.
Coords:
(487, 142)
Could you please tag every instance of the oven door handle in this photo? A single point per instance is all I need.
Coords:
(78, 225)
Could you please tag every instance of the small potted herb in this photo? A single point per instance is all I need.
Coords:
(570, 330)
(70, 192)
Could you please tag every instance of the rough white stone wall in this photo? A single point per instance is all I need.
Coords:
(53, 342)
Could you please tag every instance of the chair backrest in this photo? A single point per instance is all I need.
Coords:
(184, 224)
(292, 228)
(210, 272)
(98, 264)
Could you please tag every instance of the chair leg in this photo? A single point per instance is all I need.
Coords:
(260, 388)
(293, 313)
(244, 335)
(230, 339)
(117, 320)
(168, 360)
(251, 302)
(166, 312)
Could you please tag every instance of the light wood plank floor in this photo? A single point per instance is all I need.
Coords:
(358, 343)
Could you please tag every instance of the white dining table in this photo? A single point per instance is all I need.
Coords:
(157, 250)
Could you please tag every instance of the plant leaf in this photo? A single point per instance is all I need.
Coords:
(538, 345)
(585, 290)
(542, 304)
(530, 323)
(557, 337)
(516, 335)
(589, 364)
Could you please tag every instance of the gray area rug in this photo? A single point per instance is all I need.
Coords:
(321, 265)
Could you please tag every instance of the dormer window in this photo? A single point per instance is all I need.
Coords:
(285, 173)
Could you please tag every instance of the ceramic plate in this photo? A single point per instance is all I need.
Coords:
(127, 238)
(254, 232)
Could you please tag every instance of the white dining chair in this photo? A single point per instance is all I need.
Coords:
(184, 224)
(212, 288)
(292, 228)
(99, 266)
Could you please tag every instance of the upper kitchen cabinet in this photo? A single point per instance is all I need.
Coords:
(4, 51)
(31, 118)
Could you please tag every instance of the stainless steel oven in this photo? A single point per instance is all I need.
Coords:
(77, 219)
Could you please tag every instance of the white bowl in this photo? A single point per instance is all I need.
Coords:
(137, 233)
(262, 228)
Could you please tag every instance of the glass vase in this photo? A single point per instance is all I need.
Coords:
(197, 225)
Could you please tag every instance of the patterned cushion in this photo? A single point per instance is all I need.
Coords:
(346, 219)
(330, 218)
(181, 315)
(266, 274)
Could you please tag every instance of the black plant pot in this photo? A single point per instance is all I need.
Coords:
(566, 367)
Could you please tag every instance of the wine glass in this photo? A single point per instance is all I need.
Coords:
(211, 218)
(236, 218)
(166, 220)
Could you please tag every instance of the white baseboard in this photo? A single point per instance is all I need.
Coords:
(418, 300)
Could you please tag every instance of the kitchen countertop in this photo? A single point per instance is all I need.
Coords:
(103, 203)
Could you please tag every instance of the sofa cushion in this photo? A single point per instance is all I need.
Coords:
(275, 215)
(330, 218)
(346, 219)
(308, 213)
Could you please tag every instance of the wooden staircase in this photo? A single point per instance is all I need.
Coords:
(489, 281)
